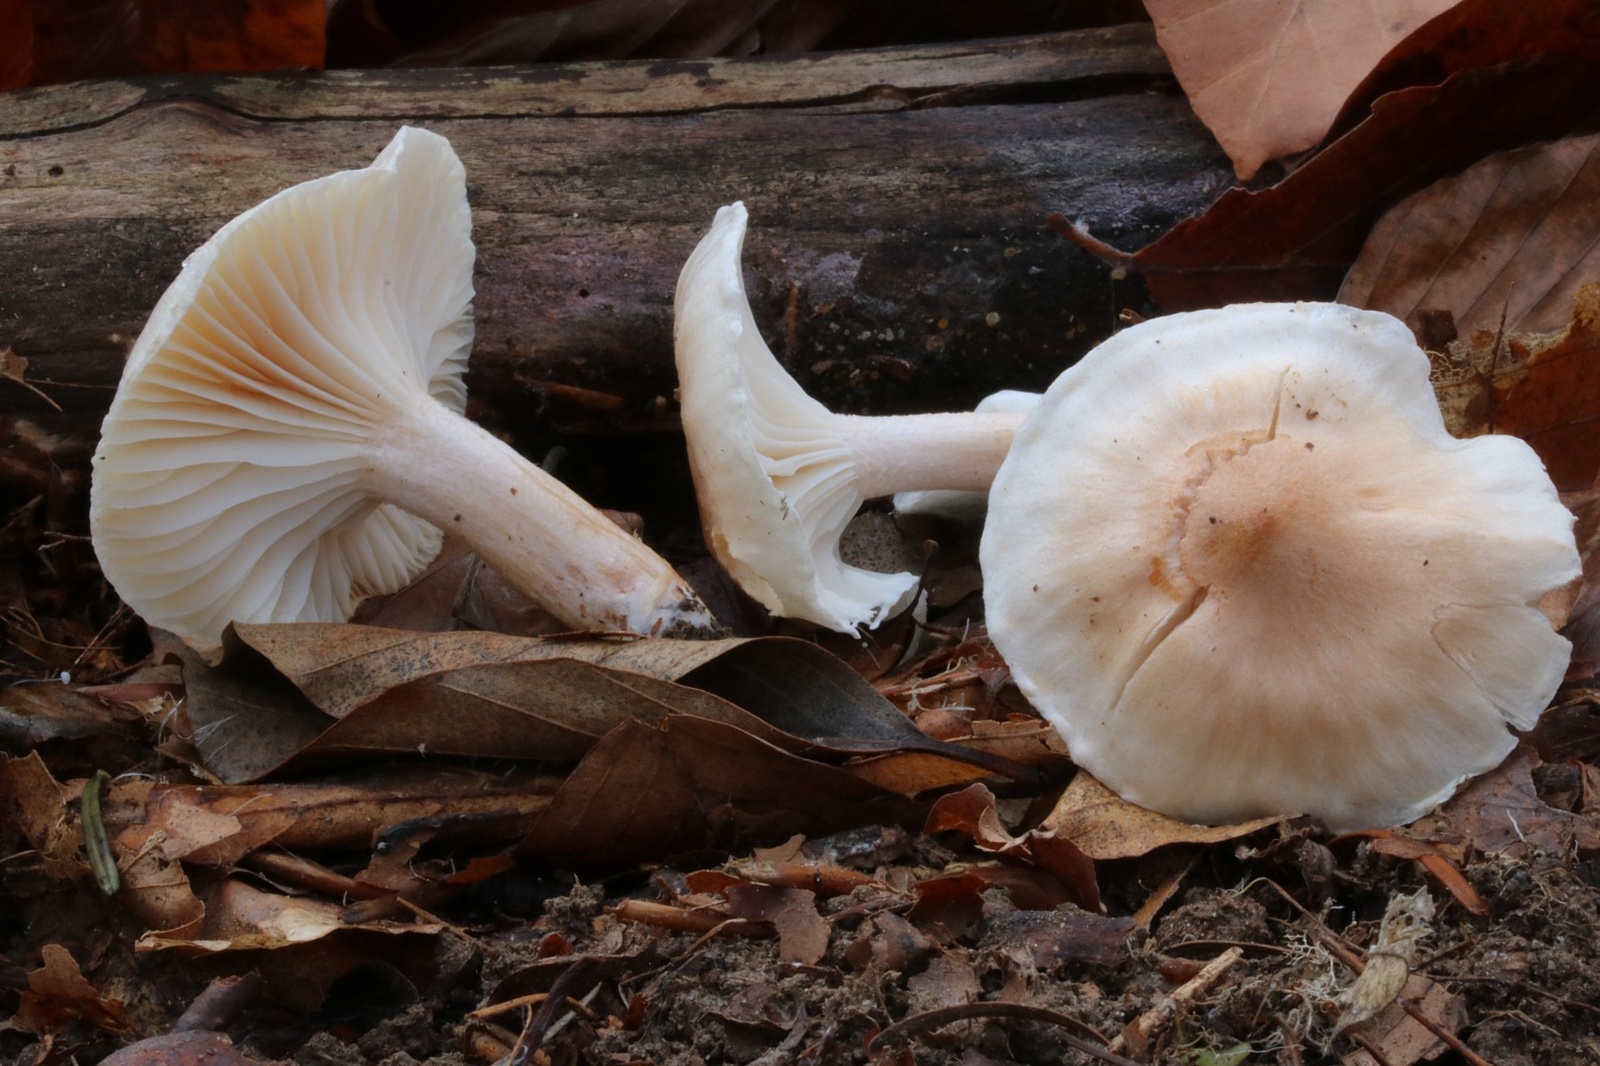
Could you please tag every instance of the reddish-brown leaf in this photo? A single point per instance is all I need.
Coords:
(1269, 77)
(111, 38)
(647, 790)
(972, 811)
(1440, 865)
(1542, 388)
(1478, 33)
(240, 916)
(802, 932)
(194, 1048)
(58, 992)
(35, 804)
(1295, 240)
(1501, 813)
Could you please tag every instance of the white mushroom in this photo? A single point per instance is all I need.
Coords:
(778, 475)
(1236, 559)
(966, 506)
(295, 400)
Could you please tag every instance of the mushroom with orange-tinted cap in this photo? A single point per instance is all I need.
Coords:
(777, 474)
(1235, 557)
(287, 436)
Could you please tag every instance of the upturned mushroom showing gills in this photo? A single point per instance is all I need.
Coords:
(1237, 560)
(287, 437)
(778, 475)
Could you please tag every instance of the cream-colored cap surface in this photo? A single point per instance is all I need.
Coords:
(224, 482)
(1236, 559)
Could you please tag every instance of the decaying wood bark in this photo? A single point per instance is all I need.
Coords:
(898, 256)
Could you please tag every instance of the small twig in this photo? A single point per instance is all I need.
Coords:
(1117, 259)
(666, 916)
(1164, 891)
(533, 999)
(1161, 1015)
(1248, 945)
(934, 1018)
(1370, 1047)
(286, 868)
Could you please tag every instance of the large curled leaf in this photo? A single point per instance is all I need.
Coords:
(486, 694)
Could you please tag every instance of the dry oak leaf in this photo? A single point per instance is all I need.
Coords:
(1103, 825)
(1506, 244)
(1268, 77)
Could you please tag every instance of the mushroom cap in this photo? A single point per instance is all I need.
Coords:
(772, 471)
(1237, 560)
(226, 483)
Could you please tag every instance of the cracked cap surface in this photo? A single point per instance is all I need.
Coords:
(1237, 560)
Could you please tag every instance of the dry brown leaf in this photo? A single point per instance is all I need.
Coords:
(1506, 244)
(343, 667)
(1442, 866)
(487, 694)
(951, 905)
(1568, 730)
(888, 942)
(242, 721)
(35, 803)
(14, 367)
(1542, 388)
(1296, 239)
(155, 888)
(58, 992)
(948, 980)
(1478, 33)
(1398, 1037)
(972, 811)
(1501, 813)
(510, 31)
(1044, 940)
(242, 917)
(1270, 76)
(1103, 825)
(823, 881)
(802, 932)
(647, 790)
(1027, 742)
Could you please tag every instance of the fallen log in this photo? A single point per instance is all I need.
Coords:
(898, 257)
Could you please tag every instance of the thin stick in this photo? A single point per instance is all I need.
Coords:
(1161, 1015)
(934, 1018)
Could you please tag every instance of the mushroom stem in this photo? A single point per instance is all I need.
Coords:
(287, 437)
(778, 475)
(897, 453)
(540, 535)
